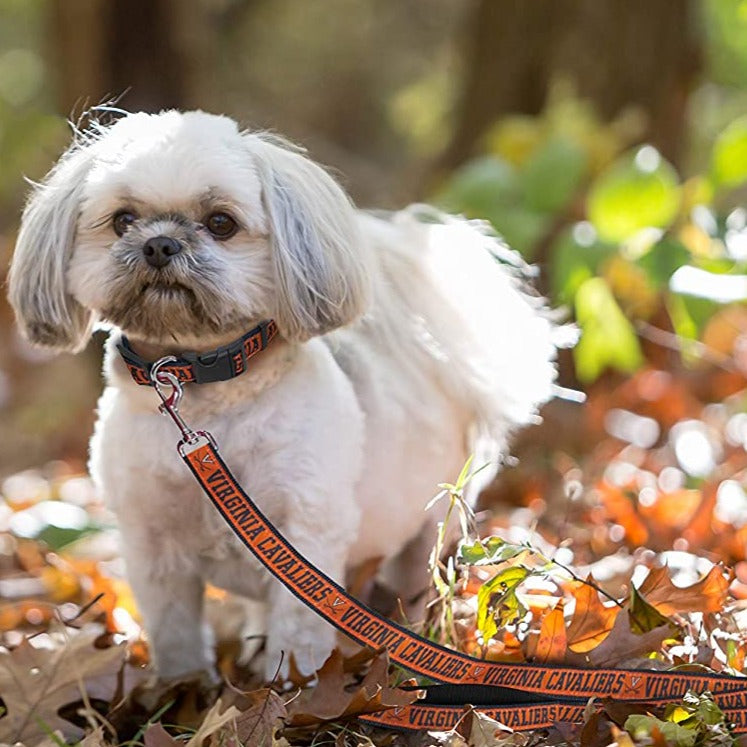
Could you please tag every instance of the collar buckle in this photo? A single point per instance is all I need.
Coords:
(217, 365)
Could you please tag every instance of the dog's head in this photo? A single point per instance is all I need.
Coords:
(175, 225)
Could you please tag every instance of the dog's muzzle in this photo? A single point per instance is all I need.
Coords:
(159, 250)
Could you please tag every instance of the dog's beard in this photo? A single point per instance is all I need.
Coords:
(170, 303)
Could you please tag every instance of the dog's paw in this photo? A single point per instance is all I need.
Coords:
(310, 645)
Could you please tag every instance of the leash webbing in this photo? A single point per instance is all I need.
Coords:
(566, 689)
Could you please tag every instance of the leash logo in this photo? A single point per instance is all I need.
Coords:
(633, 684)
(336, 605)
(206, 462)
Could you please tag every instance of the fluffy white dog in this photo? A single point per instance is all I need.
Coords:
(403, 346)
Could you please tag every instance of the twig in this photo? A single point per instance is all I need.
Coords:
(672, 341)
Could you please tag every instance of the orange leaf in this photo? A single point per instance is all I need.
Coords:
(551, 644)
(672, 510)
(621, 508)
(591, 621)
(706, 595)
(699, 530)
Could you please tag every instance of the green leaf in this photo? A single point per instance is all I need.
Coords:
(574, 262)
(57, 538)
(637, 191)
(642, 727)
(608, 338)
(690, 314)
(662, 260)
(477, 187)
(488, 551)
(682, 322)
(497, 603)
(464, 475)
(695, 720)
(643, 616)
(729, 160)
(488, 188)
(521, 227)
(553, 175)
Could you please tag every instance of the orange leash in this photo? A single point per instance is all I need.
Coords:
(523, 696)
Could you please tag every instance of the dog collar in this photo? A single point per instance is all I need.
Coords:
(221, 364)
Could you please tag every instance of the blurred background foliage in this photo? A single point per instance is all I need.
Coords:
(606, 141)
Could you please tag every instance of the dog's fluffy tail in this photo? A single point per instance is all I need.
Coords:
(455, 293)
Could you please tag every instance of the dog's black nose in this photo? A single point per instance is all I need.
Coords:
(159, 250)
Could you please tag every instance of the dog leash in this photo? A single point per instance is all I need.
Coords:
(521, 696)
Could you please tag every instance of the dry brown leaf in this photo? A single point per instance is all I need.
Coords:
(480, 730)
(50, 740)
(591, 621)
(95, 738)
(256, 725)
(330, 700)
(215, 719)
(707, 595)
(37, 682)
(622, 643)
(595, 731)
(156, 736)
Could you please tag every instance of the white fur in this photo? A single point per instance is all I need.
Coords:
(404, 346)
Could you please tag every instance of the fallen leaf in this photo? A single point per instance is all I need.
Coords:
(649, 728)
(595, 731)
(330, 700)
(644, 617)
(621, 738)
(552, 641)
(37, 682)
(707, 595)
(621, 507)
(622, 643)
(479, 730)
(700, 527)
(256, 726)
(215, 720)
(95, 738)
(672, 510)
(156, 736)
(591, 621)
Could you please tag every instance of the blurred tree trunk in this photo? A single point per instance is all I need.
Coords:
(103, 49)
(617, 53)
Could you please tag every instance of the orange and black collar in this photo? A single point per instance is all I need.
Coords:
(220, 364)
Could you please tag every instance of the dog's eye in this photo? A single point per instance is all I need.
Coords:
(122, 221)
(222, 226)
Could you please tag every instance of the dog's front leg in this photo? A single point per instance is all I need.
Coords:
(169, 593)
(292, 627)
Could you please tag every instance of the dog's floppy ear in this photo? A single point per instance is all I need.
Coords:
(320, 262)
(45, 311)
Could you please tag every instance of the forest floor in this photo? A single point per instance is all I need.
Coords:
(623, 532)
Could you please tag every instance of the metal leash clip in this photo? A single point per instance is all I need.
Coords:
(170, 405)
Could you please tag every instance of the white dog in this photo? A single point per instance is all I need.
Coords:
(403, 346)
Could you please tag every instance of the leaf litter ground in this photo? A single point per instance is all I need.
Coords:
(619, 539)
